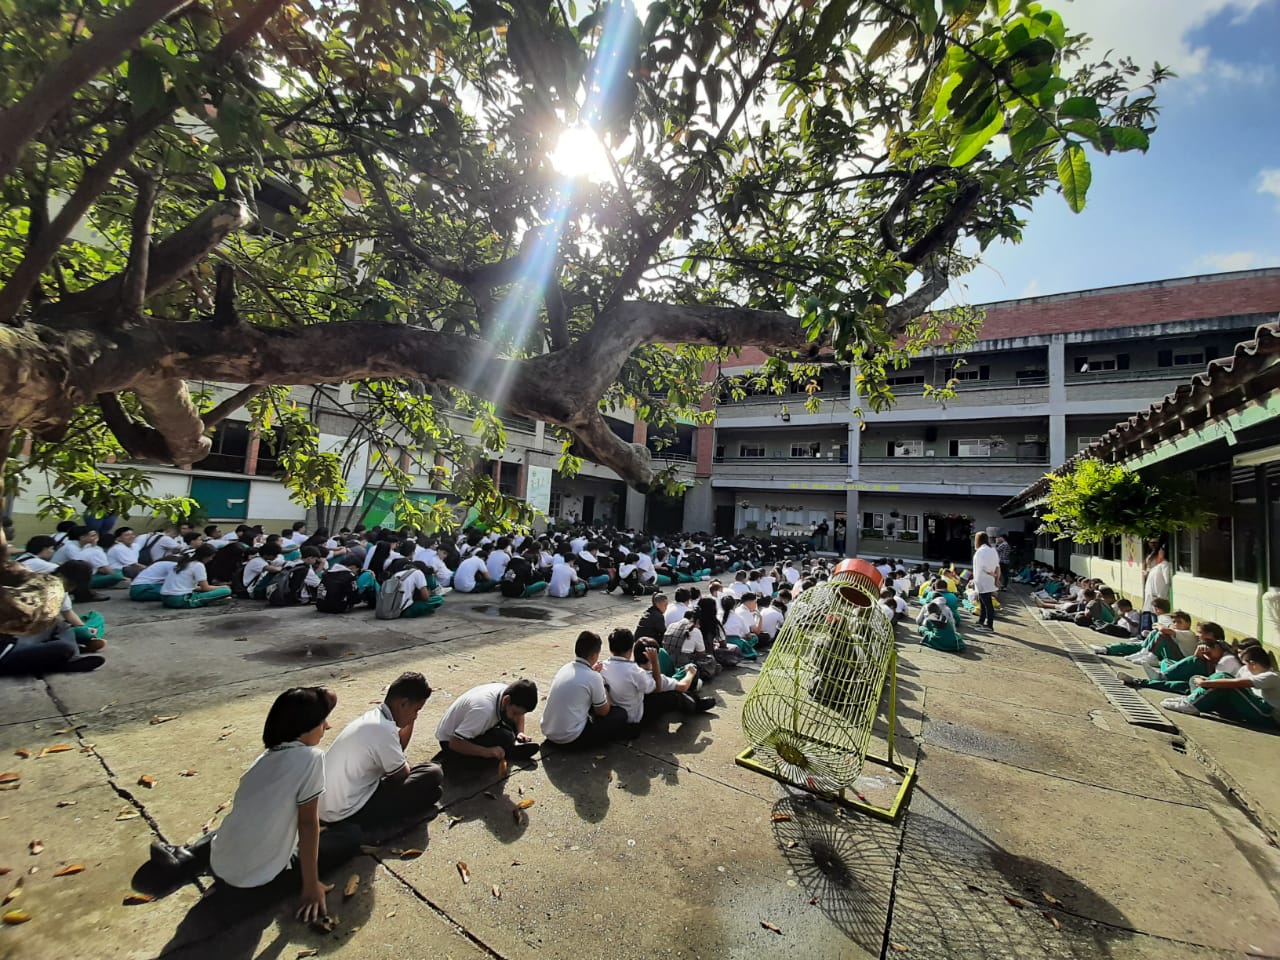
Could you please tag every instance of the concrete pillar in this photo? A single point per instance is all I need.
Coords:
(251, 454)
(852, 521)
(437, 483)
(855, 446)
(639, 432)
(704, 449)
(699, 511)
(497, 473)
(635, 509)
(522, 478)
(1057, 401)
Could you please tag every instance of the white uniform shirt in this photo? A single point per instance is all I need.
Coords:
(738, 588)
(736, 624)
(464, 579)
(792, 575)
(37, 565)
(260, 834)
(179, 583)
(770, 621)
(161, 545)
(575, 691)
(562, 577)
(766, 586)
(472, 714)
(365, 752)
(121, 555)
(577, 544)
(1267, 684)
(410, 583)
(985, 564)
(497, 564)
(157, 572)
(647, 572)
(70, 550)
(675, 613)
(1156, 585)
(252, 570)
(628, 684)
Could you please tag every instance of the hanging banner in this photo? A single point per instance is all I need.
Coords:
(537, 491)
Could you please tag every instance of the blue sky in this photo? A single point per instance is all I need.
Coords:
(1205, 198)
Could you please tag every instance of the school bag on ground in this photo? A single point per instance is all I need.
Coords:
(285, 588)
(390, 600)
(337, 592)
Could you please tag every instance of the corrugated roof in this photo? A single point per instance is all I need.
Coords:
(1226, 384)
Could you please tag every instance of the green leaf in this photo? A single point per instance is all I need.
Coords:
(146, 83)
(1083, 108)
(833, 18)
(971, 144)
(1074, 175)
(1127, 138)
(219, 178)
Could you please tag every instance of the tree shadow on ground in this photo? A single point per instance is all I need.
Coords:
(473, 790)
(954, 892)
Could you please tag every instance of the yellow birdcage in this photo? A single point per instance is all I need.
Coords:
(810, 714)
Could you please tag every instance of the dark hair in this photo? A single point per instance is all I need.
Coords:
(41, 542)
(300, 525)
(621, 640)
(269, 551)
(378, 562)
(682, 595)
(121, 531)
(1258, 655)
(709, 620)
(410, 685)
(522, 694)
(349, 560)
(65, 526)
(1214, 631)
(75, 533)
(981, 539)
(727, 603)
(191, 536)
(295, 712)
(202, 553)
(748, 597)
(208, 531)
(310, 553)
(587, 645)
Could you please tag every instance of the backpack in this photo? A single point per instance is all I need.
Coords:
(337, 592)
(144, 555)
(390, 601)
(285, 588)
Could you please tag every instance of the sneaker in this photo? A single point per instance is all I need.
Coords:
(703, 704)
(1099, 650)
(90, 661)
(1180, 705)
(1145, 658)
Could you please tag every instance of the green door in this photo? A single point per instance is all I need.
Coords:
(222, 499)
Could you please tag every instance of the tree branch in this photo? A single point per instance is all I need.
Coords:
(224, 298)
(139, 441)
(231, 405)
(107, 44)
(166, 403)
(134, 280)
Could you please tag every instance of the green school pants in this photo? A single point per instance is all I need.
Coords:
(421, 608)
(102, 581)
(535, 588)
(145, 592)
(192, 600)
(92, 619)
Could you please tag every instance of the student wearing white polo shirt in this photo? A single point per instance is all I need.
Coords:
(82, 544)
(675, 613)
(498, 559)
(564, 579)
(487, 723)
(368, 779)
(472, 575)
(640, 690)
(578, 712)
(273, 827)
(770, 618)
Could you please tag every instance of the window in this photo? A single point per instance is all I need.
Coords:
(719, 451)
(911, 523)
(872, 521)
(969, 448)
(1246, 533)
(904, 448)
(1214, 541)
(229, 450)
(1083, 442)
(746, 450)
(1185, 357)
(906, 380)
(556, 502)
(962, 374)
(806, 451)
(1102, 363)
(1031, 377)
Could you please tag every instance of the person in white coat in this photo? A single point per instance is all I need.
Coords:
(986, 577)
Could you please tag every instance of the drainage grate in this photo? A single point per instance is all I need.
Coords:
(1131, 704)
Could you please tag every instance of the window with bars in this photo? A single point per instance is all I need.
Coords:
(1102, 363)
(969, 448)
(751, 450)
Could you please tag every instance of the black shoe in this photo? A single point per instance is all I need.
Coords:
(98, 598)
(171, 856)
(1136, 682)
(522, 752)
(90, 661)
(703, 704)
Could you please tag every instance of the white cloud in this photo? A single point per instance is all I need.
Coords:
(1239, 260)
(1269, 182)
(1157, 30)
(1032, 289)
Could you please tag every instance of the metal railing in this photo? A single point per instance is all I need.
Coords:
(953, 461)
(781, 458)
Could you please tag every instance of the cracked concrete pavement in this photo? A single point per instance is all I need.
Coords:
(1042, 825)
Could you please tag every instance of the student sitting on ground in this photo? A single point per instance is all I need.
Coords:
(641, 691)
(937, 625)
(888, 604)
(258, 571)
(273, 827)
(578, 712)
(146, 585)
(1170, 639)
(1127, 622)
(472, 575)
(90, 632)
(1251, 696)
(187, 584)
(940, 589)
(368, 779)
(123, 554)
(1212, 655)
(346, 585)
(737, 627)
(675, 611)
(52, 650)
(519, 580)
(565, 581)
(1083, 613)
(487, 723)
(82, 544)
(653, 622)
(770, 620)
(416, 585)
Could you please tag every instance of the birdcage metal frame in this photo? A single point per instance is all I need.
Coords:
(831, 663)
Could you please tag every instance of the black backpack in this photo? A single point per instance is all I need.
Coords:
(337, 591)
(285, 588)
(144, 555)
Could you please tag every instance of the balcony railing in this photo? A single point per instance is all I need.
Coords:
(794, 401)
(778, 459)
(952, 461)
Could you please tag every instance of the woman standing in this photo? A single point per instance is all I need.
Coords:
(986, 577)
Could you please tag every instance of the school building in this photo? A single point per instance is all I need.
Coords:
(1222, 428)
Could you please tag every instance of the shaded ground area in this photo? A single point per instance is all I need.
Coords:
(1043, 825)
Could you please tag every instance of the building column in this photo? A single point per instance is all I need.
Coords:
(699, 507)
(1057, 401)
(522, 477)
(635, 509)
(852, 521)
(437, 483)
(251, 454)
(497, 474)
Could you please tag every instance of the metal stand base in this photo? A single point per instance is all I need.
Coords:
(747, 759)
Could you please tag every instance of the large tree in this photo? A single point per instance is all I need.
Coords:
(184, 185)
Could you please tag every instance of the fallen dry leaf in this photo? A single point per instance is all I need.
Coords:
(898, 948)
(516, 863)
(410, 854)
(5, 870)
(1052, 899)
(324, 924)
(225, 734)
(389, 915)
(78, 726)
(520, 790)
(13, 894)
(70, 870)
(770, 926)
(813, 901)
(128, 813)
(240, 639)
(302, 954)
(222, 806)
(10, 777)
(22, 752)
(1014, 901)
(781, 818)
(65, 803)
(36, 847)
(463, 872)
(87, 748)
(454, 821)
(146, 781)
(56, 748)
(526, 803)
(353, 884)
(188, 773)
(15, 917)
(134, 899)
(1052, 919)
(157, 720)
(10, 786)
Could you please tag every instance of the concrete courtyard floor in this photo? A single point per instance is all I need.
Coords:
(1042, 824)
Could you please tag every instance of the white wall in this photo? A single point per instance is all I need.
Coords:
(269, 501)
